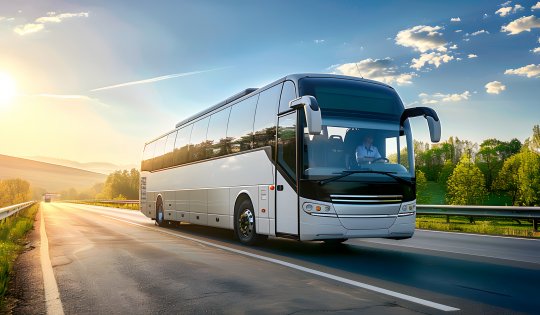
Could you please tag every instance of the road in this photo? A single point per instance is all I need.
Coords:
(109, 261)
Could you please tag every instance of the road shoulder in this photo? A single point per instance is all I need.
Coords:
(26, 291)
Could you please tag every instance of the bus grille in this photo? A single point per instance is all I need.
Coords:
(366, 199)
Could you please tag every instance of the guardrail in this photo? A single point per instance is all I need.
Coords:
(11, 210)
(510, 212)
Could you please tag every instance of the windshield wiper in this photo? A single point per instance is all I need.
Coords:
(347, 173)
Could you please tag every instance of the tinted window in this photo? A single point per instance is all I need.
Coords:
(343, 96)
(287, 144)
(217, 134)
(288, 93)
(169, 147)
(148, 154)
(240, 128)
(181, 146)
(198, 144)
(264, 133)
(157, 162)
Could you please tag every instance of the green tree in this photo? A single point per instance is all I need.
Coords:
(422, 193)
(445, 172)
(121, 185)
(520, 178)
(466, 185)
(14, 191)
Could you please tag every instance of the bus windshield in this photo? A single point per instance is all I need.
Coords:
(360, 132)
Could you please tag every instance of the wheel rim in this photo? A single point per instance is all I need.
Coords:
(246, 224)
(160, 214)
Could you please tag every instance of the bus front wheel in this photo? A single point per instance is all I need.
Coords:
(244, 224)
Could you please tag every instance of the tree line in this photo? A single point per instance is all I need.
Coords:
(470, 172)
(14, 191)
(119, 185)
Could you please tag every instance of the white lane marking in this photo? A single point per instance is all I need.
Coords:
(482, 235)
(398, 295)
(52, 296)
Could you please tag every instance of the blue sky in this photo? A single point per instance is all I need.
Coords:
(435, 53)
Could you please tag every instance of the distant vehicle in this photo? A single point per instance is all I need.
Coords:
(285, 160)
(47, 198)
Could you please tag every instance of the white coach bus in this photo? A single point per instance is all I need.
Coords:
(309, 157)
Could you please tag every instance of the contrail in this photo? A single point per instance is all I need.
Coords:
(164, 77)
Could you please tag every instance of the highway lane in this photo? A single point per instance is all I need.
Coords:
(104, 264)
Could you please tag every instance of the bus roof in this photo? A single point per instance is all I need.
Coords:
(292, 77)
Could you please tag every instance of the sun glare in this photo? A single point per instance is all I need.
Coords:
(8, 89)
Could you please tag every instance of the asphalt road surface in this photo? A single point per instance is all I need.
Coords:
(109, 261)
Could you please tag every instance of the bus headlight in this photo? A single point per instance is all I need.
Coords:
(310, 207)
(408, 207)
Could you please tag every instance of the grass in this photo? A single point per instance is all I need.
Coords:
(488, 226)
(12, 236)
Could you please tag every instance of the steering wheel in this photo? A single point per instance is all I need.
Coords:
(381, 158)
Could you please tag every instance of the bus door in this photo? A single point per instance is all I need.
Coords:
(286, 192)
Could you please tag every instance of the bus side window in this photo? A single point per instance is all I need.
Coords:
(287, 143)
(157, 161)
(169, 147)
(148, 154)
(264, 133)
(288, 93)
(198, 144)
(240, 127)
(217, 132)
(180, 154)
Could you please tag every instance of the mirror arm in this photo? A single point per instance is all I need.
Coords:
(418, 111)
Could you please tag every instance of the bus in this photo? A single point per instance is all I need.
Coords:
(286, 160)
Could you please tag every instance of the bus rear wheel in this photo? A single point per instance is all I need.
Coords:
(244, 224)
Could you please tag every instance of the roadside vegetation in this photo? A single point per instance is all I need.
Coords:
(13, 229)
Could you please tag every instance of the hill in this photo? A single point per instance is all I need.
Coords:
(50, 177)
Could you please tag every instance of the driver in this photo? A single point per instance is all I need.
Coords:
(367, 152)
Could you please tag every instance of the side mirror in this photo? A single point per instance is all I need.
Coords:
(312, 112)
(433, 121)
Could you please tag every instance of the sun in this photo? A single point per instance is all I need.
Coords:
(8, 89)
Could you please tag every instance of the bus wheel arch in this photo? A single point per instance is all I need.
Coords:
(245, 227)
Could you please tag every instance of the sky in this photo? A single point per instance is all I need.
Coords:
(92, 81)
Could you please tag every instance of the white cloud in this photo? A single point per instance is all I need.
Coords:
(504, 11)
(453, 46)
(525, 23)
(536, 50)
(39, 23)
(432, 58)
(507, 3)
(529, 71)
(456, 19)
(485, 16)
(443, 98)
(319, 41)
(376, 69)
(507, 10)
(28, 28)
(479, 32)
(470, 56)
(536, 6)
(495, 87)
(458, 31)
(52, 18)
(422, 38)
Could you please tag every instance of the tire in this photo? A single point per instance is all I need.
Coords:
(244, 224)
(160, 214)
(335, 241)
